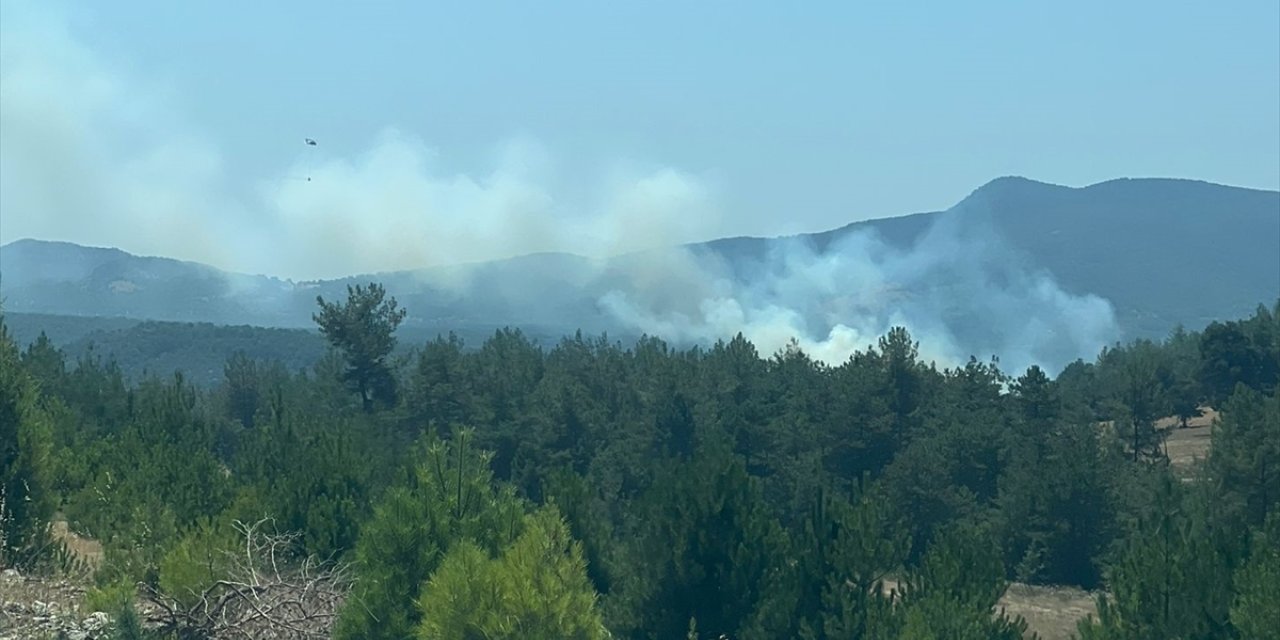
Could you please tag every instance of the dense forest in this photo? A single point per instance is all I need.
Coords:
(596, 489)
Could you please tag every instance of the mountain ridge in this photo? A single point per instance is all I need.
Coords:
(1162, 251)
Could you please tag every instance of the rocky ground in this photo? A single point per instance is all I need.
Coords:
(33, 608)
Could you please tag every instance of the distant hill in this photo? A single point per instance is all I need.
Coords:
(1163, 252)
(199, 349)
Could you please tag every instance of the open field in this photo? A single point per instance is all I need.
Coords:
(1186, 446)
(1051, 612)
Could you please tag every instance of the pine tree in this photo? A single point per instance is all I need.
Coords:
(449, 498)
(1171, 578)
(844, 554)
(708, 549)
(1244, 458)
(1255, 612)
(535, 589)
(25, 443)
(952, 593)
(362, 329)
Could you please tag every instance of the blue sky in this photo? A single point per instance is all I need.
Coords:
(760, 118)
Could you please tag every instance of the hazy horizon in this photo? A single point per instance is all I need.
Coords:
(457, 134)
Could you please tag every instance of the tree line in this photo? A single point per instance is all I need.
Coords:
(596, 489)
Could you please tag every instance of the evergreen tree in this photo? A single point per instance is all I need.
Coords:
(1244, 458)
(441, 393)
(952, 593)
(844, 554)
(243, 389)
(47, 364)
(449, 498)
(1057, 513)
(536, 589)
(706, 549)
(1139, 380)
(1255, 612)
(362, 329)
(25, 443)
(1171, 578)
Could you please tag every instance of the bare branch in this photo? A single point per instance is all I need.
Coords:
(268, 593)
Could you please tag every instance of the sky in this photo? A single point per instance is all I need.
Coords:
(456, 132)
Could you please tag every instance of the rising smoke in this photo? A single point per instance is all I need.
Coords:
(959, 288)
(93, 155)
(96, 155)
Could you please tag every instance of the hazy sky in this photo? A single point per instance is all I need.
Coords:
(468, 130)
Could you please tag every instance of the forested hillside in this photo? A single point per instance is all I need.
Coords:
(1161, 252)
(199, 349)
(594, 490)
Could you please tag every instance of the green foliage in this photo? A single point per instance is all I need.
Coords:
(135, 545)
(707, 549)
(25, 450)
(109, 597)
(449, 498)
(362, 329)
(156, 474)
(311, 477)
(536, 588)
(703, 492)
(45, 363)
(920, 486)
(244, 392)
(1255, 612)
(127, 624)
(844, 554)
(1057, 512)
(1245, 456)
(1245, 352)
(1171, 578)
(201, 557)
(440, 395)
(953, 593)
(588, 521)
(1139, 378)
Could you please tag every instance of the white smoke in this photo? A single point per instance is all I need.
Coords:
(90, 153)
(93, 154)
(960, 290)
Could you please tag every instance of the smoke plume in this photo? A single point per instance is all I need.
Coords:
(93, 154)
(959, 289)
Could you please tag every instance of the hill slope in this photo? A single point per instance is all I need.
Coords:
(1162, 252)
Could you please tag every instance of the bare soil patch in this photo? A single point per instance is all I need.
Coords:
(1187, 446)
(1051, 612)
(84, 549)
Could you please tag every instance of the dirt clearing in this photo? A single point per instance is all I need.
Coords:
(1051, 612)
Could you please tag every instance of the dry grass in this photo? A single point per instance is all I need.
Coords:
(1050, 612)
(1186, 446)
(86, 550)
(39, 607)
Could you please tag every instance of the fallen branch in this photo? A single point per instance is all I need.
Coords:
(268, 593)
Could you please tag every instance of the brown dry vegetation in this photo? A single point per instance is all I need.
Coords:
(1050, 612)
(86, 550)
(1185, 446)
(40, 607)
